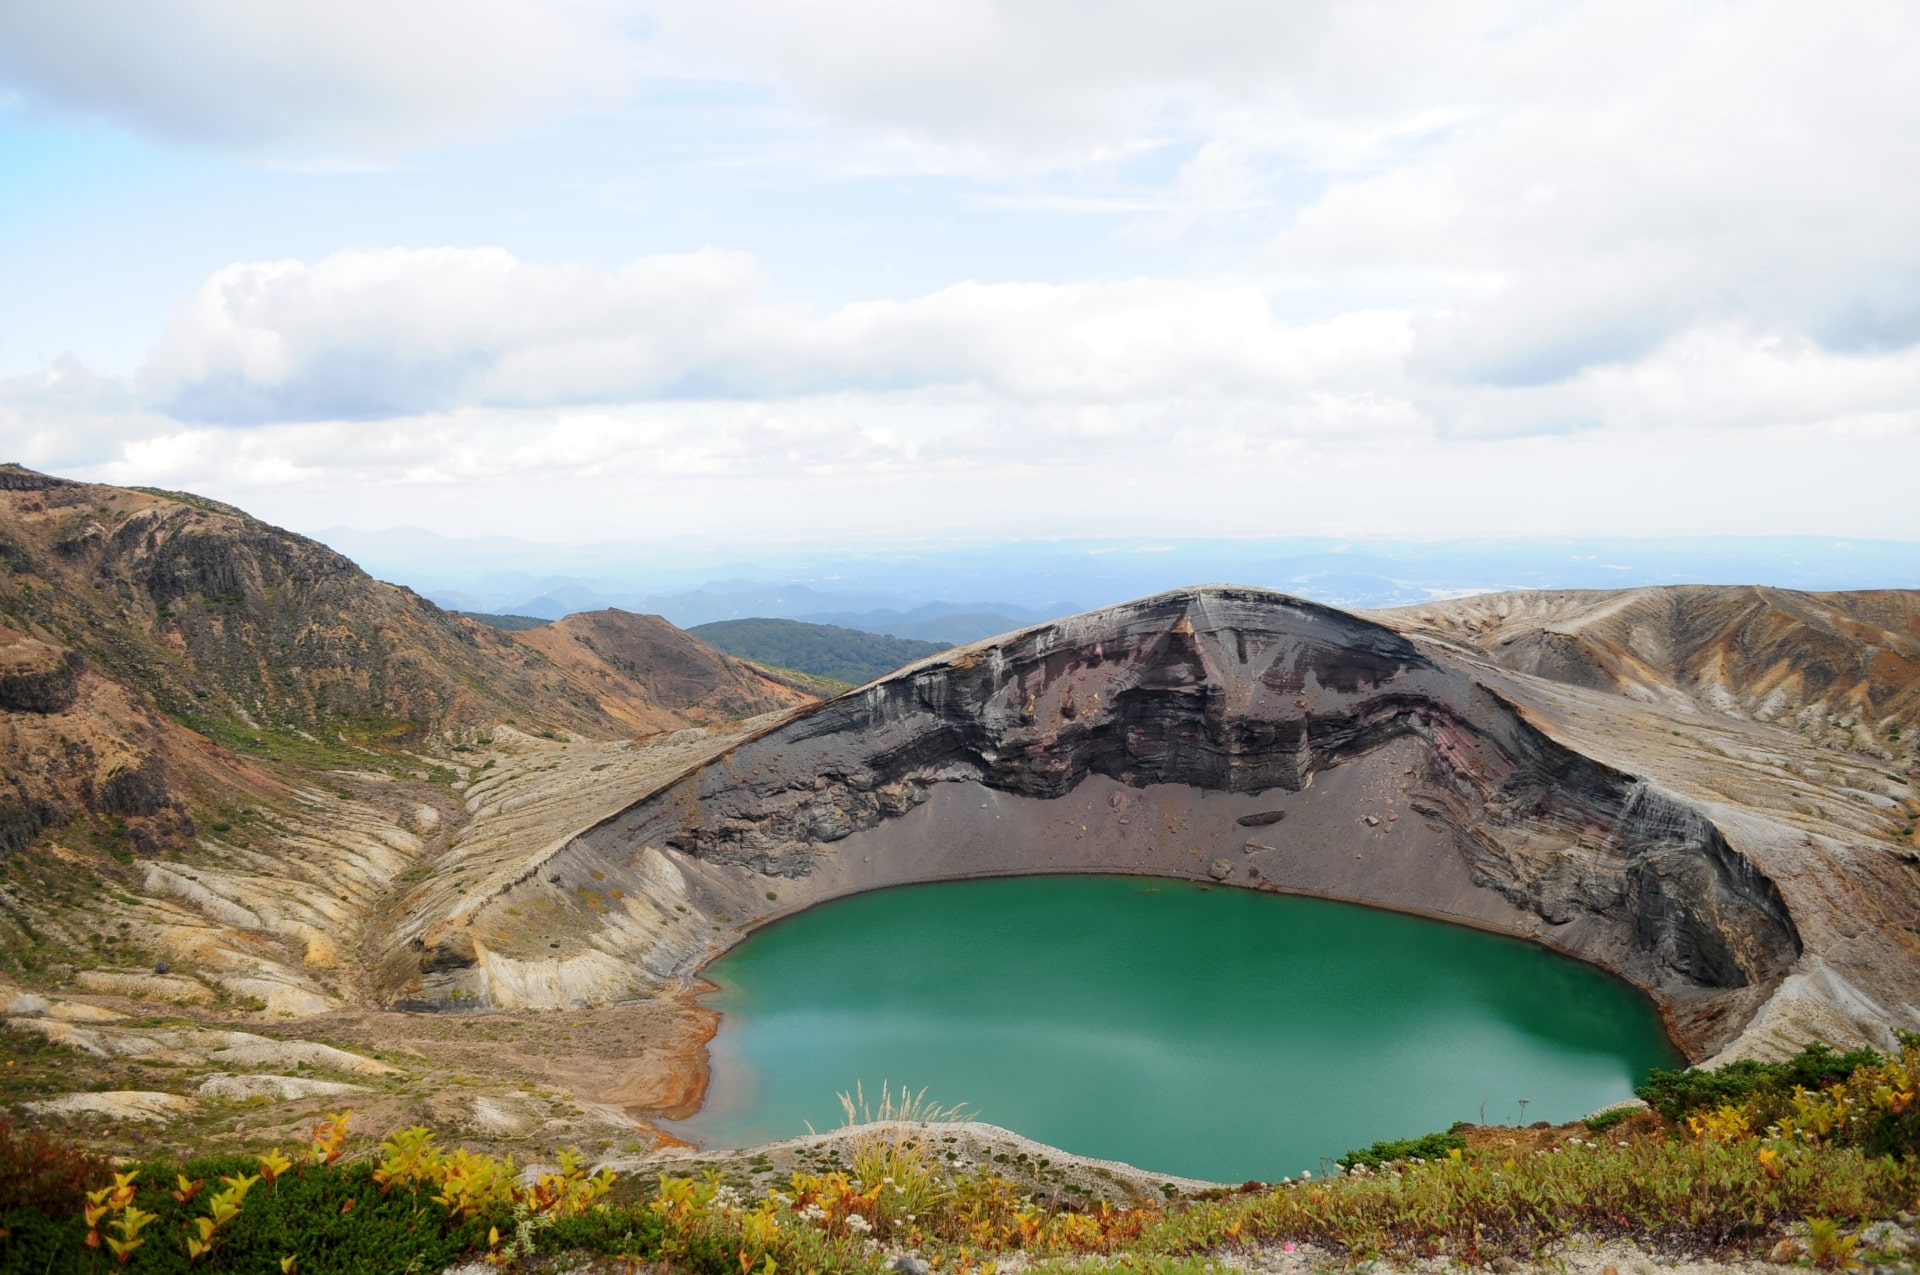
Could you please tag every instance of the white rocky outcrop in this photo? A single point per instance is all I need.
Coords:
(285, 1088)
(141, 1105)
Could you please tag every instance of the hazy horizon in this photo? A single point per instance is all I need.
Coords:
(950, 592)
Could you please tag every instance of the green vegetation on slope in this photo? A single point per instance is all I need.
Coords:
(825, 650)
(511, 623)
(1767, 1086)
(1433, 1146)
(1710, 1185)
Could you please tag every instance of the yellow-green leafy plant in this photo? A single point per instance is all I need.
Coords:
(1727, 1123)
(222, 1208)
(411, 1155)
(986, 1211)
(835, 1203)
(129, 1224)
(108, 1200)
(760, 1234)
(570, 1190)
(681, 1202)
(470, 1182)
(1829, 1247)
(1872, 1107)
(124, 1237)
(273, 1164)
(327, 1139)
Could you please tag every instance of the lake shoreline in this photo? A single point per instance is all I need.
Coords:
(967, 1030)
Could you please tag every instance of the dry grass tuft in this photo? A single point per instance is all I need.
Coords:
(909, 1107)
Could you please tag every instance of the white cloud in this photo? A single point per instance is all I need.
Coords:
(374, 334)
(1149, 408)
(1000, 86)
(1559, 185)
(378, 333)
(1553, 185)
(1745, 384)
(360, 75)
(1640, 171)
(452, 366)
(67, 416)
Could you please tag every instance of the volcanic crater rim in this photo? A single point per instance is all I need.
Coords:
(1134, 740)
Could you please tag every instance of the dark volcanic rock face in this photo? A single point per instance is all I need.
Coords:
(48, 685)
(1402, 782)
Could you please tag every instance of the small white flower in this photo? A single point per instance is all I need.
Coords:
(857, 1223)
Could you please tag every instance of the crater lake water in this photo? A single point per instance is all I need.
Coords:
(1210, 1033)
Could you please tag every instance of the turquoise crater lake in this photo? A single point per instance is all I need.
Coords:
(1211, 1033)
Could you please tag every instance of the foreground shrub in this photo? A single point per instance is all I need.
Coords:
(41, 1172)
(1728, 1178)
(1765, 1085)
(419, 1208)
(1871, 1105)
(1434, 1146)
(1697, 1195)
(325, 1219)
(1605, 1120)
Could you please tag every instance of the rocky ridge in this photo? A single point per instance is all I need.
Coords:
(1842, 669)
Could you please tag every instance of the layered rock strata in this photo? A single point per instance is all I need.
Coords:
(1217, 734)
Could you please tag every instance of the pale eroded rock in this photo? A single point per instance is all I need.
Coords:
(145, 1106)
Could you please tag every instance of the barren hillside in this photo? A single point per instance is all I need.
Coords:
(224, 744)
(1840, 668)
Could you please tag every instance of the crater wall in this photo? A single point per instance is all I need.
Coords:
(1221, 734)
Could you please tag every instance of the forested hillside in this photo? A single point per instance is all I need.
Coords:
(825, 650)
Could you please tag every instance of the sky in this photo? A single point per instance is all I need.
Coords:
(870, 273)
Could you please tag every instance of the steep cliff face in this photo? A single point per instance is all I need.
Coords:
(1223, 734)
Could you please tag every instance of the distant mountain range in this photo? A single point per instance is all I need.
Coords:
(825, 650)
(961, 593)
(942, 623)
